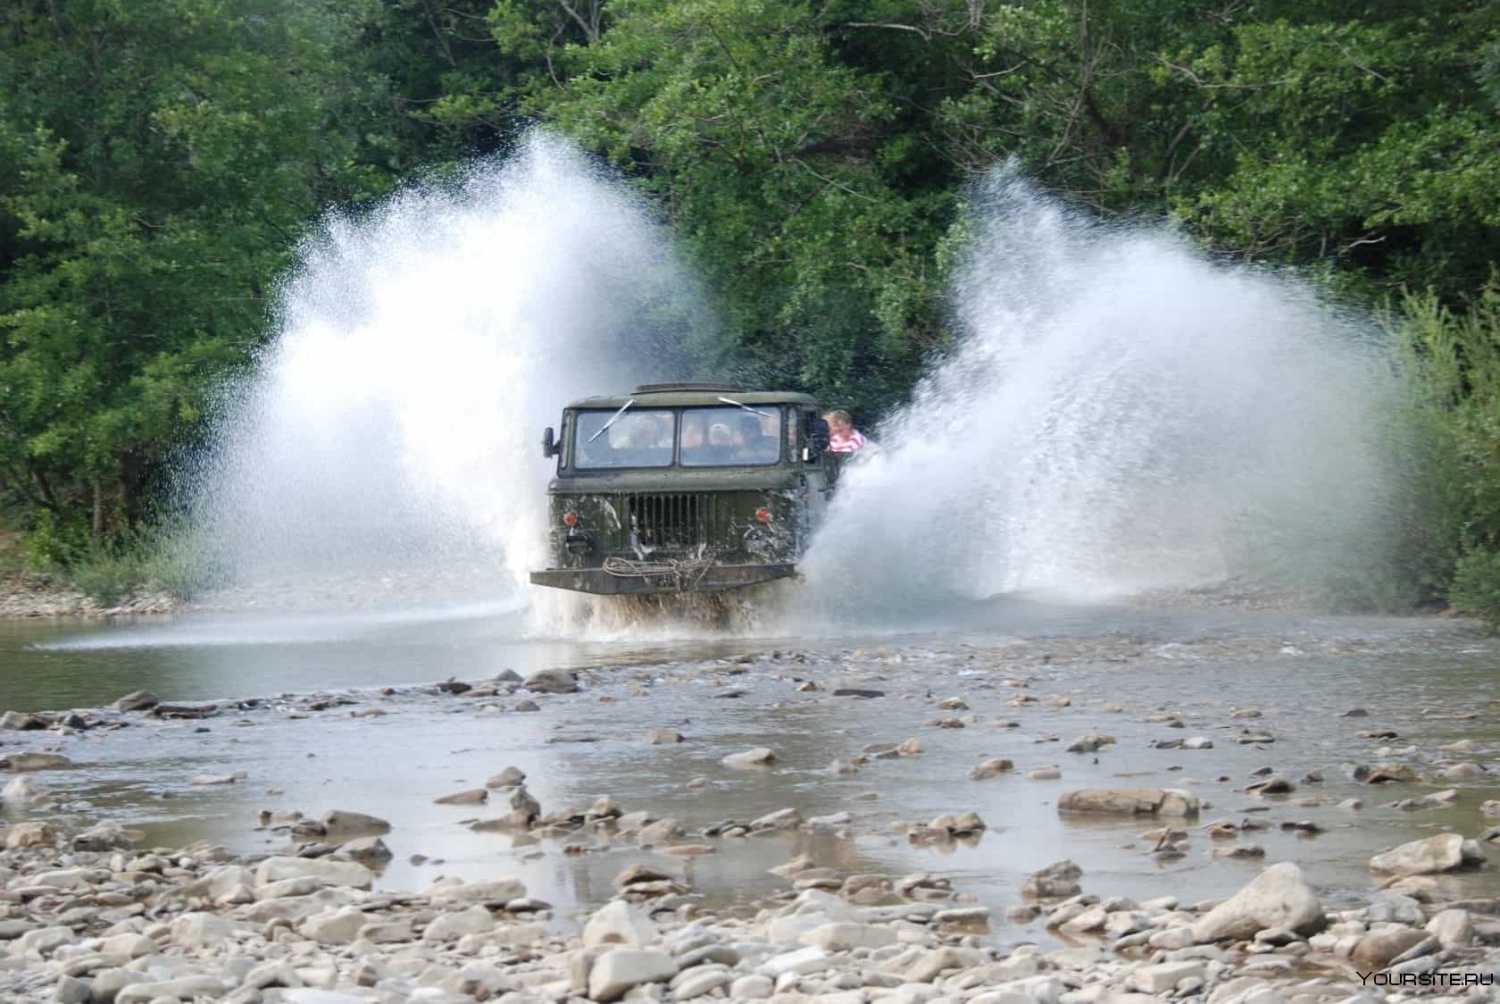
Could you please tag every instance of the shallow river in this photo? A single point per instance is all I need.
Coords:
(1430, 681)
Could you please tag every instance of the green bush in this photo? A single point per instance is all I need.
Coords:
(1449, 502)
(1476, 585)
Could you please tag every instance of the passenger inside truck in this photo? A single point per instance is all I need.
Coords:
(637, 439)
(752, 445)
(734, 436)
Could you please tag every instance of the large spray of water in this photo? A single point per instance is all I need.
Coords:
(389, 440)
(1120, 414)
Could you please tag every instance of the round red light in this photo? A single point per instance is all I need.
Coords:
(570, 518)
(764, 515)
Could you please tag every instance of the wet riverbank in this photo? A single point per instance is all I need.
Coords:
(1211, 706)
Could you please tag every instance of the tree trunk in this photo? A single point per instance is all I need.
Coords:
(98, 510)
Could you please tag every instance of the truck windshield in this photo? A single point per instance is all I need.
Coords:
(731, 437)
(636, 439)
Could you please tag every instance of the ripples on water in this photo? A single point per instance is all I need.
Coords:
(1429, 680)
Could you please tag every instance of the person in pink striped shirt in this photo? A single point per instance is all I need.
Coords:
(843, 437)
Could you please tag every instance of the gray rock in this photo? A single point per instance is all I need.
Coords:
(1130, 801)
(1277, 897)
(196, 930)
(618, 923)
(1165, 976)
(1442, 852)
(341, 927)
(992, 768)
(185, 987)
(42, 940)
(660, 832)
(1453, 928)
(510, 777)
(107, 983)
(321, 870)
(699, 980)
(368, 851)
(1378, 949)
(845, 937)
(492, 892)
(452, 926)
(34, 761)
(781, 819)
(621, 969)
(1058, 880)
(757, 757)
(387, 932)
(340, 824)
(473, 796)
(71, 991)
(754, 987)
(552, 681)
(136, 700)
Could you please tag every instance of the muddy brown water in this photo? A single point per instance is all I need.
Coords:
(1432, 682)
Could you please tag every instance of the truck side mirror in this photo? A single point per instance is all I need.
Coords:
(550, 446)
(817, 436)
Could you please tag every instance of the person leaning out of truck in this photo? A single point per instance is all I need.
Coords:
(843, 437)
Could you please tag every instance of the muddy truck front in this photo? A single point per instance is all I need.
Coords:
(684, 488)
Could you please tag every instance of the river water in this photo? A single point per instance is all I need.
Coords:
(1430, 681)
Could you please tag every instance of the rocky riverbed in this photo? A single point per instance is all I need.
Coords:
(793, 824)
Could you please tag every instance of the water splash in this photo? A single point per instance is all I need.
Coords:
(387, 448)
(1121, 414)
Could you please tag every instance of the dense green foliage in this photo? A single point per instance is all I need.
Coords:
(159, 159)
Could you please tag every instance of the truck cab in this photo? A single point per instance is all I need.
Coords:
(684, 487)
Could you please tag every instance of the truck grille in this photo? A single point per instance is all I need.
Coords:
(676, 521)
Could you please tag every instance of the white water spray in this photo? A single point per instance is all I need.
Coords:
(390, 440)
(1120, 414)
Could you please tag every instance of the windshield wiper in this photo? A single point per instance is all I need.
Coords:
(746, 407)
(605, 427)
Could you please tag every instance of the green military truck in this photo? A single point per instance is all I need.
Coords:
(685, 488)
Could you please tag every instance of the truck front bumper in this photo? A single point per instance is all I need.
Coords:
(660, 579)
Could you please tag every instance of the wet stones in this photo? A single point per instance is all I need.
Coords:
(1129, 801)
(21, 721)
(1379, 949)
(1058, 880)
(781, 819)
(1277, 897)
(991, 768)
(760, 756)
(473, 796)
(136, 700)
(341, 824)
(368, 851)
(1387, 773)
(30, 834)
(20, 762)
(323, 871)
(663, 737)
(619, 923)
(663, 831)
(490, 892)
(510, 777)
(622, 969)
(1090, 743)
(1189, 743)
(1443, 852)
(552, 681)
